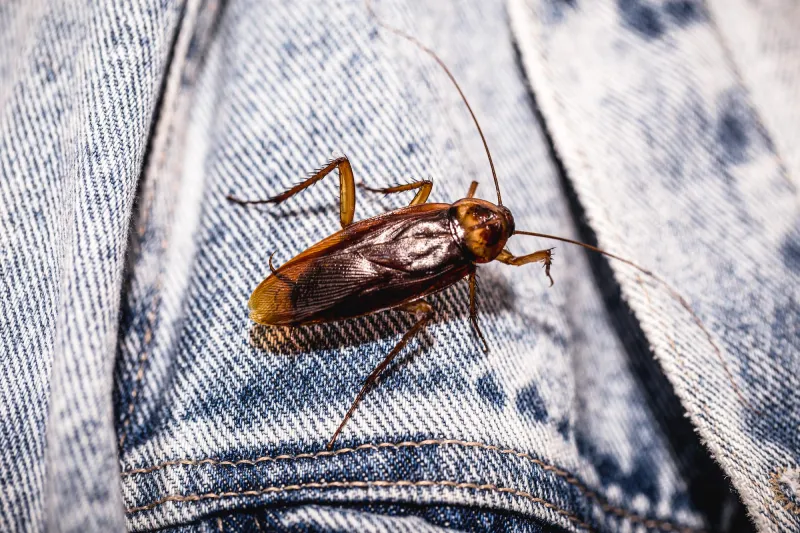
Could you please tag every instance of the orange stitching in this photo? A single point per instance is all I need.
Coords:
(365, 485)
(565, 475)
(584, 160)
(151, 316)
(148, 335)
(780, 496)
(164, 130)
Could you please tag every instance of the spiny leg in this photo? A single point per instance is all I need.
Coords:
(472, 188)
(271, 266)
(347, 189)
(543, 256)
(424, 186)
(473, 308)
(423, 312)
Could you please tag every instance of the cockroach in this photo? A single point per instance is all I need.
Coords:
(397, 259)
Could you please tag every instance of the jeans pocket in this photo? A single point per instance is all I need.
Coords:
(230, 417)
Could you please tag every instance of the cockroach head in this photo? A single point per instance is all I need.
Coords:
(481, 227)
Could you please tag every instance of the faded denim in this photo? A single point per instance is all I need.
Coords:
(138, 395)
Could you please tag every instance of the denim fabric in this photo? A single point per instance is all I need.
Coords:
(79, 85)
(138, 393)
(660, 127)
(372, 518)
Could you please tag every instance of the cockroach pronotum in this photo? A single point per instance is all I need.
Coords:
(397, 259)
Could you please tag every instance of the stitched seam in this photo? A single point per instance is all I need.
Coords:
(146, 339)
(163, 133)
(565, 475)
(366, 485)
(774, 483)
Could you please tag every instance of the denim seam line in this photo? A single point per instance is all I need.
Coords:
(673, 293)
(150, 318)
(362, 484)
(565, 475)
(774, 483)
(147, 339)
(162, 138)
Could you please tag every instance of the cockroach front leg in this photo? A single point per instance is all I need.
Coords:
(347, 189)
(473, 309)
(425, 187)
(543, 256)
(472, 188)
(423, 311)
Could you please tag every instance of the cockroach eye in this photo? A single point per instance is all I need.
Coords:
(396, 260)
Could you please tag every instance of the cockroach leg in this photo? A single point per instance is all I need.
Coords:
(423, 311)
(544, 256)
(347, 189)
(424, 186)
(473, 306)
(271, 266)
(276, 273)
(472, 188)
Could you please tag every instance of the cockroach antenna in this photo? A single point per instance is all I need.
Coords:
(431, 53)
(366, 268)
(673, 292)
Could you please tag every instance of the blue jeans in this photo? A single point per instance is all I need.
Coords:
(138, 395)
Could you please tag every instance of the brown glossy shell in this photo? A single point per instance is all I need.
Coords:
(371, 265)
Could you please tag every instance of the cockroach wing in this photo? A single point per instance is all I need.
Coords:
(369, 266)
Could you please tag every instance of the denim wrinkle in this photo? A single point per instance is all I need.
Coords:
(689, 121)
(78, 92)
(138, 394)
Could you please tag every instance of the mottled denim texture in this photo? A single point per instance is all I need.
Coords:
(688, 137)
(138, 395)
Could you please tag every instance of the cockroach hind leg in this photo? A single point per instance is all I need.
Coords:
(231, 198)
(424, 312)
(347, 193)
(479, 333)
